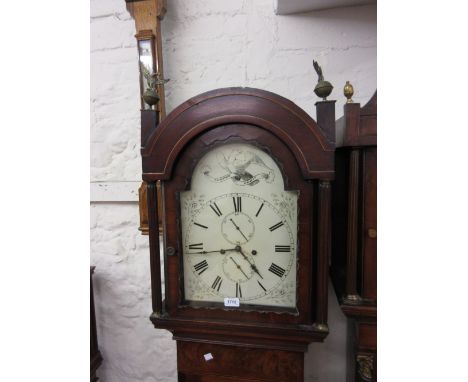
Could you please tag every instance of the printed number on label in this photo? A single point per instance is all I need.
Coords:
(231, 301)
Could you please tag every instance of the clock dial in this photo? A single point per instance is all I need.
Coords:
(239, 230)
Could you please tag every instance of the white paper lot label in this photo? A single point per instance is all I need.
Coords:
(208, 356)
(232, 302)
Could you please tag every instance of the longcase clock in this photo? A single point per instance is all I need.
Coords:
(354, 257)
(246, 202)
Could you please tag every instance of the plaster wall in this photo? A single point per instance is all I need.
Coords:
(207, 44)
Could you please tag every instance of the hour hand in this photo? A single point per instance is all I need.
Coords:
(255, 269)
(252, 266)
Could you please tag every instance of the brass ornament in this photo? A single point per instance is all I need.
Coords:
(321, 327)
(150, 95)
(352, 299)
(159, 315)
(323, 88)
(366, 366)
(348, 92)
(372, 233)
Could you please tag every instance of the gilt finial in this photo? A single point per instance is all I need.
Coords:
(348, 92)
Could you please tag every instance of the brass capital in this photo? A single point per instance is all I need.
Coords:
(321, 327)
(366, 366)
(352, 299)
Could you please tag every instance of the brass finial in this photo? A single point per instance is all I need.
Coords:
(348, 91)
(150, 95)
(323, 88)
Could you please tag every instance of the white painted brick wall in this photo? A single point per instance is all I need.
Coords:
(207, 44)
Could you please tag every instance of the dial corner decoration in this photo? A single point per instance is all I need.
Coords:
(237, 239)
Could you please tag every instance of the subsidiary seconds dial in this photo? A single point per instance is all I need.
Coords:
(238, 245)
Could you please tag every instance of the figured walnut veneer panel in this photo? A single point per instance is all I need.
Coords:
(233, 362)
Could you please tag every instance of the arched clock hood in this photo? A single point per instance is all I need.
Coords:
(308, 141)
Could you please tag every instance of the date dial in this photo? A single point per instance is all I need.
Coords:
(236, 269)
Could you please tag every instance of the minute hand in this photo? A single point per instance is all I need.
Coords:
(254, 268)
(222, 251)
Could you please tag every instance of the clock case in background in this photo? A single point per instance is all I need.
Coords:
(354, 253)
(96, 357)
(246, 343)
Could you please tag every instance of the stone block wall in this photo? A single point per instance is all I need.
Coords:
(207, 44)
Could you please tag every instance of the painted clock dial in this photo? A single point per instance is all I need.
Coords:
(239, 229)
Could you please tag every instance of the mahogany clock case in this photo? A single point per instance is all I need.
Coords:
(306, 158)
(354, 254)
(354, 257)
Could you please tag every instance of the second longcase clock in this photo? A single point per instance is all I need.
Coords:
(354, 256)
(245, 178)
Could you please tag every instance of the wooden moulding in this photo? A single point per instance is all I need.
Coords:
(351, 295)
(323, 252)
(159, 5)
(143, 207)
(149, 123)
(155, 262)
